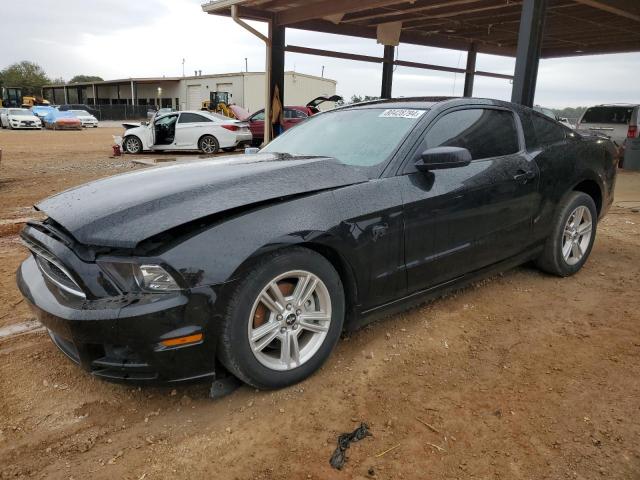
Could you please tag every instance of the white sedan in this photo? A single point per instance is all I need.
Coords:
(86, 119)
(190, 130)
(19, 118)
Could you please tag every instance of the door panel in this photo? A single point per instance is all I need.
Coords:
(256, 125)
(458, 220)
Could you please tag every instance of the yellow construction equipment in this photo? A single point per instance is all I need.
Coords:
(31, 101)
(219, 103)
(10, 97)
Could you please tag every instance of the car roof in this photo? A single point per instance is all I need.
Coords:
(427, 103)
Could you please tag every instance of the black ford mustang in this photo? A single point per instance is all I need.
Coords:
(258, 262)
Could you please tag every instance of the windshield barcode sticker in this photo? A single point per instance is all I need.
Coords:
(401, 113)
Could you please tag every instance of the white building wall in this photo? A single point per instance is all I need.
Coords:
(246, 90)
(300, 89)
(218, 83)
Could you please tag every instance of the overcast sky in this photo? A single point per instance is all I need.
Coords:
(124, 38)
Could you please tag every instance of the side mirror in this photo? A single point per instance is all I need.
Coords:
(439, 158)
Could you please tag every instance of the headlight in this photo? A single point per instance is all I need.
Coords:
(133, 277)
(155, 278)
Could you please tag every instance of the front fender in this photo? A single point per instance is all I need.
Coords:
(142, 133)
(220, 252)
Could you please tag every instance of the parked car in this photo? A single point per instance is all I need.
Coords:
(3, 117)
(617, 121)
(189, 130)
(80, 106)
(41, 111)
(66, 120)
(551, 114)
(19, 118)
(258, 262)
(86, 119)
(292, 116)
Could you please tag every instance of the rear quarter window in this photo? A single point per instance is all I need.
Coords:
(547, 131)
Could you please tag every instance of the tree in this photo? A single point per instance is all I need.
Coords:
(26, 75)
(359, 99)
(86, 78)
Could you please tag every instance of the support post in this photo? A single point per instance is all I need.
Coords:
(66, 97)
(528, 51)
(133, 94)
(387, 71)
(277, 69)
(470, 73)
(95, 94)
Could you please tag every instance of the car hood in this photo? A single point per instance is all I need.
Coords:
(123, 210)
(24, 117)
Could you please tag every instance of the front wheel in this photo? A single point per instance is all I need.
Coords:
(574, 231)
(132, 144)
(208, 144)
(283, 319)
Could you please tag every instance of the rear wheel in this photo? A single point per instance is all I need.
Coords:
(208, 144)
(574, 231)
(283, 319)
(132, 144)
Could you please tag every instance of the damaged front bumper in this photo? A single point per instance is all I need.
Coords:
(123, 337)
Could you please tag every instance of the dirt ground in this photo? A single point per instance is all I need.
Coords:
(522, 376)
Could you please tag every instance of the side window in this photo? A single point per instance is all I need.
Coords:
(484, 132)
(258, 117)
(547, 131)
(298, 114)
(192, 118)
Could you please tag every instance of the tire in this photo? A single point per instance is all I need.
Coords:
(570, 235)
(268, 366)
(132, 144)
(209, 145)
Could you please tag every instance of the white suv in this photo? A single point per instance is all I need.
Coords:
(617, 121)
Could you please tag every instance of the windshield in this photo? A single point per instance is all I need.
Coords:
(362, 137)
(20, 111)
(620, 115)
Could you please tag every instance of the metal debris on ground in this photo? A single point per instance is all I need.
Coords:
(339, 455)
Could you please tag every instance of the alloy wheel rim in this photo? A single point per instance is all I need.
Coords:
(289, 320)
(132, 145)
(577, 235)
(208, 145)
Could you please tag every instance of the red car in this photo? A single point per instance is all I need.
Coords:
(292, 116)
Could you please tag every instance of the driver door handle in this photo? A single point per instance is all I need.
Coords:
(523, 176)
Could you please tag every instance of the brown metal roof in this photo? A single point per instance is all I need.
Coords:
(573, 27)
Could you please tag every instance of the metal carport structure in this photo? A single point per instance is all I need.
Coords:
(527, 29)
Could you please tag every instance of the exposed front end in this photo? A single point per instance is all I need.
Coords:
(114, 331)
